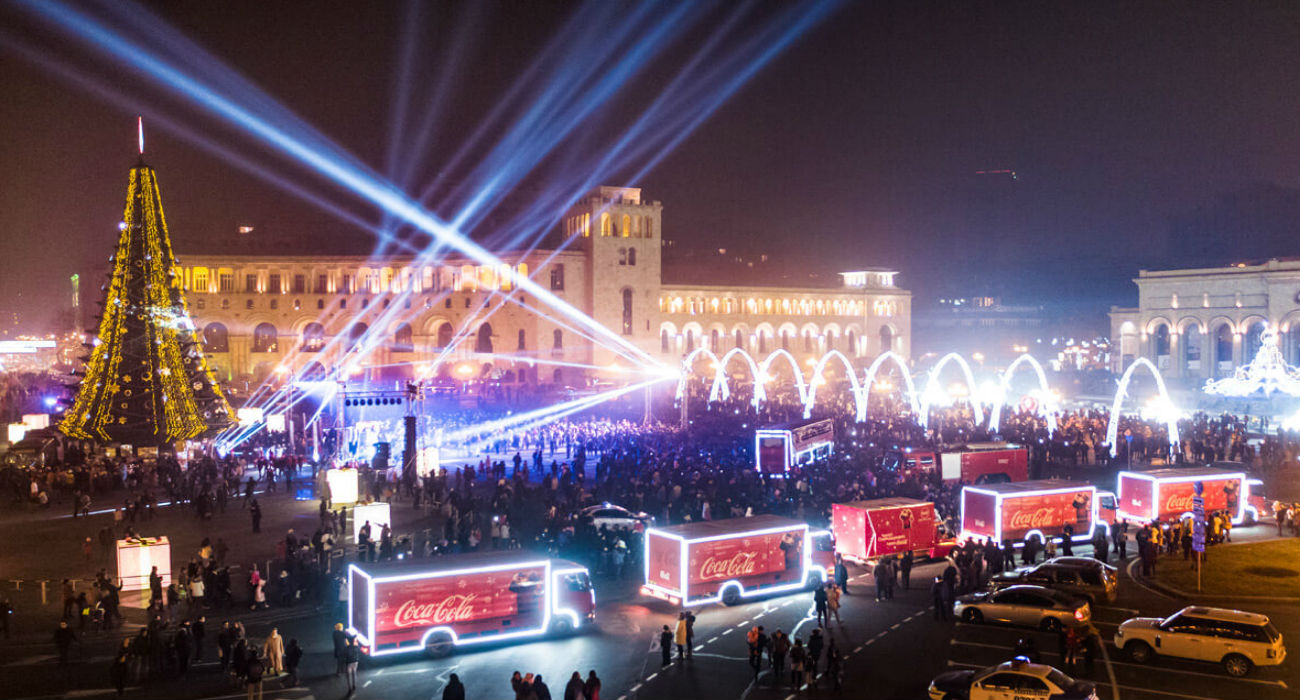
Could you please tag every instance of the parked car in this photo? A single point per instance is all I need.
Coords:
(1091, 583)
(612, 516)
(1238, 640)
(1026, 606)
(1016, 678)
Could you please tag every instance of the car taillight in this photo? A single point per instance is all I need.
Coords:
(1081, 614)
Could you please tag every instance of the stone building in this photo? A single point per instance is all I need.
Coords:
(398, 317)
(1197, 324)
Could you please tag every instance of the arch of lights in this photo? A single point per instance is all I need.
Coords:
(869, 381)
(1165, 405)
(817, 379)
(934, 392)
(1044, 409)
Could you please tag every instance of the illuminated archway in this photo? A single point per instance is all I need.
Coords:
(817, 378)
(800, 384)
(1112, 429)
(721, 389)
(928, 395)
(869, 381)
(995, 418)
(688, 365)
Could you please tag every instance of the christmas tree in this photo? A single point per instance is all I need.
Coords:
(146, 381)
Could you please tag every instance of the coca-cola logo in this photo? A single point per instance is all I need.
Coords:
(1179, 502)
(740, 564)
(1031, 519)
(453, 608)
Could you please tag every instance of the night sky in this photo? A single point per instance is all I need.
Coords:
(1141, 134)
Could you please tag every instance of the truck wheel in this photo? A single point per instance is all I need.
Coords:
(439, 646)
(562, 626)
(731, 596)
(1050, 624)
(1139, 652)
(1236, 665)
(972, 616)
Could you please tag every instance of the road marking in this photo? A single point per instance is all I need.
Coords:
(634, 688)
(859, 648)
(742, 625)
(715, 638)
(726, 632)
(366, 684)
(894, 627)
(651, 676)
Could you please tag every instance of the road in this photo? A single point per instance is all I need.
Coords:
(892, 649)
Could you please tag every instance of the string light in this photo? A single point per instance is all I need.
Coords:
(145, 383)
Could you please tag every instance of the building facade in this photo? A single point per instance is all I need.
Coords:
(1198, 324)
(259, 314)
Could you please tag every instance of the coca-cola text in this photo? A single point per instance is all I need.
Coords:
(740, 564)
(454, 608)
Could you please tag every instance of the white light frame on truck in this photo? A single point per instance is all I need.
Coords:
(997, 513)
(683, 573)
(551, 607)
(1242, 496)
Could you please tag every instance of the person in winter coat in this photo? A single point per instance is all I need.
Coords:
(455, 690)
(253, 676)
(833, 604)
(592, 687)
(679, 637)
(665, 647)
(292, 657)
(118, 669)
(574, 689)
(841, 575)
(273, 650)
(816, 642)
(63, 639)
(780, 647)
(340, 650)
(819, 603)
(353, 659)
(540, 690)
(798, 660)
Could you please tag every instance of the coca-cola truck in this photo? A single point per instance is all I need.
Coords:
(727, 560)
(867, 530)
(439, 604)
(1166, 494)
(779, 448)
(985, 462)
(1018, 510)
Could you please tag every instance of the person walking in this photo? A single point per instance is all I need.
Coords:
(117, 670)
(455, 690)
(879, 572)
(937, 593)
(798, 659)
(255, 512)
(592, 687)
(198, 631)
(64, 636)
(665, 648)
(757, 641)
(816, 643)
(575, 689)
(679, 636)
(905, 567)
(292, 657)
(819, 604)
(690, 634)
(253, 672)
(834, 665)
(273, 650)
(340, 650)
(833, 603)
(353, 659)
(841, 575)
(780, 647)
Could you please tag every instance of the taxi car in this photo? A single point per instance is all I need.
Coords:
(1017, 679)
(1238, 640)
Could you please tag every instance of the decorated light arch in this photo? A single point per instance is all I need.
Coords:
(869, 381)
(1044, 409)
(932, 389)
(1171, 421)
(817, 379)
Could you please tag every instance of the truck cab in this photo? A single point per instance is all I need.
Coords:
(574, 592)
(823, 552)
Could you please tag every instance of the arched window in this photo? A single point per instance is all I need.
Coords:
(1160, 343)
(714, 340)
(483, 344)
(762, 342)
(521, 347)
(557, 342)
(627, 226)
(1254, 339)
(606, 226)
(216, 338)
(785, 340)
(631, 256)
(851, 339)
(663, 341)
(1192, 348)
(886, 339)
(830, 340)
(627, 311)
(807, 341)
(445, 333)
(264, 338)
(313, 337)
(740, 339)
(355, 333)
(1223, 349)
(690, 341)
(404, 339)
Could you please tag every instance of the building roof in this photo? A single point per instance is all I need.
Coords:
(730, 526)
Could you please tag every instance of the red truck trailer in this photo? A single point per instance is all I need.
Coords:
(1166, 494)
(1017, 510)
(439, 604)
(866, 530)
(985, 462)
(736, 558)
(778, 448)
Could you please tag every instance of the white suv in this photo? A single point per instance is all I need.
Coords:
(1238, 640)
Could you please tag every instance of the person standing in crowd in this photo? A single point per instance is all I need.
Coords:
(455, 690)
(819, 604)
(757, 641)
(679, 636)
(575, 688)
(273, 650)
(905, 567)
(841, 574)
(253, 671)
(340, 650)
(779, 648)
(879, 572)
(353, 658)
(292, 657)
(665, 647)
(592, 687)
(816, 642)
(64, 636)
(117, 670)
(833, 603)
(798, 658)
(834, 666)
